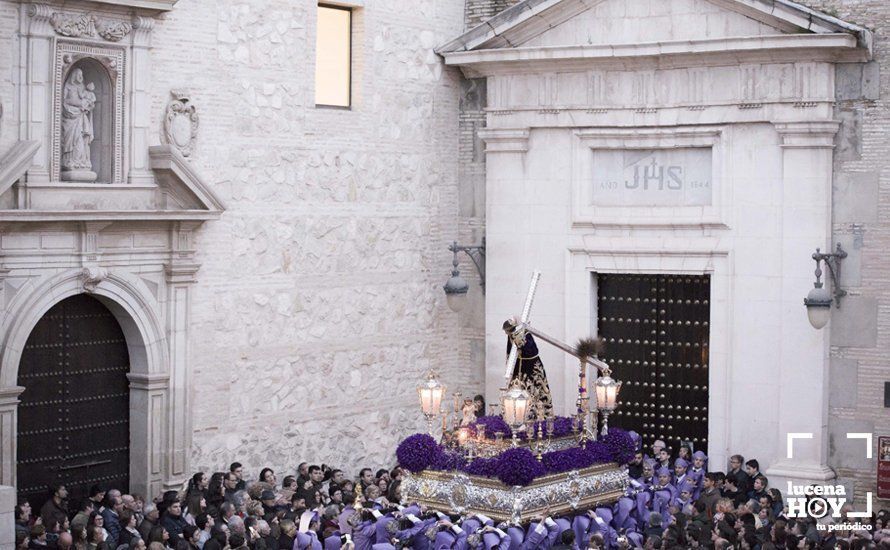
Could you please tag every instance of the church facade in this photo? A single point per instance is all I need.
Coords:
(210, 267)
(671, 167)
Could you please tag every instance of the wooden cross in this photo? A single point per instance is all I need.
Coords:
(519, 331)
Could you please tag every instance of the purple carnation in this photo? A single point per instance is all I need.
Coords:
(448, 461)
(518, 466)
(598, 452)
(620, 444)
(486, 467)
(562, 426)
(417, 452)
(566, 460)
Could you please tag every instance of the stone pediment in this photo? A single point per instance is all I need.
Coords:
(554, 30)
(179, 194)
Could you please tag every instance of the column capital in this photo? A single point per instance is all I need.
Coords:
(151, 381)
(9, 396)
(181, 271)
(818, 134)
(38, 21)
(505, 140)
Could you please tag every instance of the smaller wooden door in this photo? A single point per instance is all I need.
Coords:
(74, 415)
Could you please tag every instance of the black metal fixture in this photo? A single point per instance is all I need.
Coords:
(456, 288)
(819, 300)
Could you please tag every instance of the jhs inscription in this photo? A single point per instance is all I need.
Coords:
(657, 177)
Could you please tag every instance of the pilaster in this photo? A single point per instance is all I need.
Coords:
(807, 150)
(140, 101)
(148, 394)
(35, 84)
(180, 276)
(9, 402)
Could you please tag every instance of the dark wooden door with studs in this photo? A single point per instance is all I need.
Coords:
(74, 415)
(655, 329)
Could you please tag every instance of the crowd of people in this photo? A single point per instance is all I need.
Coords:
(673, 502)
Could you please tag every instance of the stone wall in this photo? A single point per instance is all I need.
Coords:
(320, 302)
(860, 329)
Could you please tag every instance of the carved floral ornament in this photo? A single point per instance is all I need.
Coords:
(181, 123)
(85, 25)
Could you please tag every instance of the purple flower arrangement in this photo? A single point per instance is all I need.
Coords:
(518, 466)
(417, 452)
(485, 467)
(515, 466)
(447, 460)
(620, 444)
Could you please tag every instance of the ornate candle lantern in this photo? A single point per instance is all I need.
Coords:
(431, 392)
(606, 397)
(515, 402)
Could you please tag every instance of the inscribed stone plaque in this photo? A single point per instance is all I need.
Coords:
(652, 177)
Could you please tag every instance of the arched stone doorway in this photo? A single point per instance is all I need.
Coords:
(153, 437)
(74, 417)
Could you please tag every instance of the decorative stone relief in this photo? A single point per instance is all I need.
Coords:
(181, 123)
(88, 25)
(92, 276)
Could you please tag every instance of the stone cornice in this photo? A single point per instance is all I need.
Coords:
(173, 170)
(835, 47)
(148, 5)
(808, 134)
(15, 163)
(49, 216)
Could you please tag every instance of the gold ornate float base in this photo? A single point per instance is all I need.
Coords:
(563, 493)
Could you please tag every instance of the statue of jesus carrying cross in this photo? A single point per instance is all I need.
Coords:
(528, 369)
(524, 366)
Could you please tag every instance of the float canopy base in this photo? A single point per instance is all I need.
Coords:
(463, 494)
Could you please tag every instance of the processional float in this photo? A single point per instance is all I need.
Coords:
(479, 466)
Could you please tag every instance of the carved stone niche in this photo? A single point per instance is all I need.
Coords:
(88, 107)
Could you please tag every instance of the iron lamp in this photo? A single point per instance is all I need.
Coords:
(456, 287)
(819, 300)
